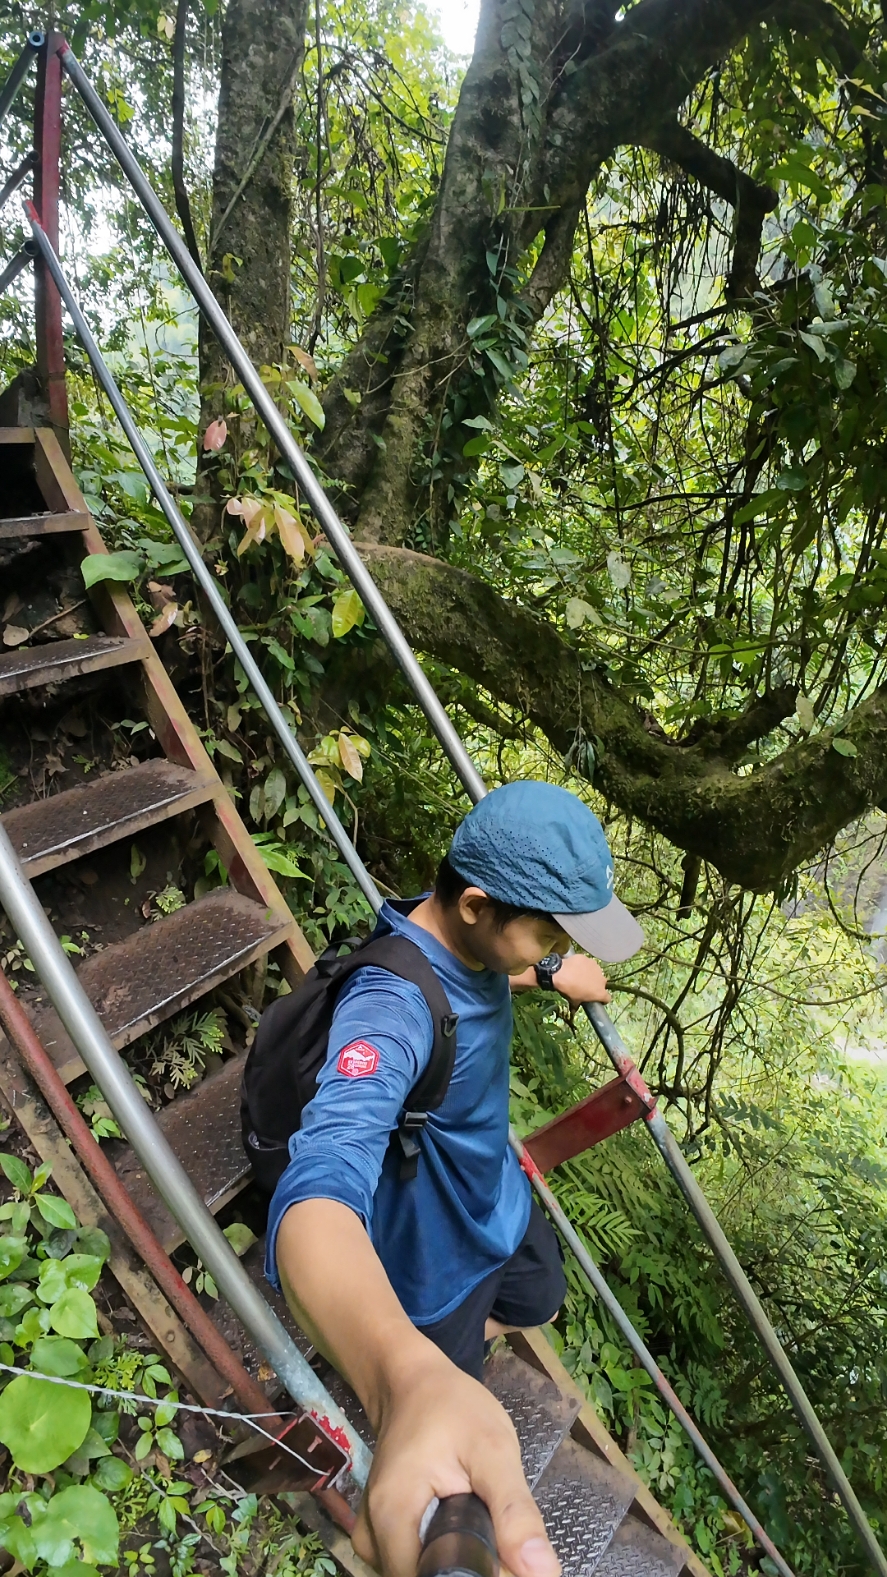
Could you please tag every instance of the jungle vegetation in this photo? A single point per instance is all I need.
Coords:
(588, 337)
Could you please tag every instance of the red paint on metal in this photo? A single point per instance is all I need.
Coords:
(47, 301)
(340, 1436)
(529, 1166)
(605, 1112)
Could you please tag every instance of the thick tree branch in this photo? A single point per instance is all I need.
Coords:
(750, 200)
(754, 827)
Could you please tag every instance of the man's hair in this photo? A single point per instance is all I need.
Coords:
(449, 887)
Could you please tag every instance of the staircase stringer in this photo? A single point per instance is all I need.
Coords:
(175, 732)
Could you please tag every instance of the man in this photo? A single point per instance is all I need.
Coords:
(401, 1283)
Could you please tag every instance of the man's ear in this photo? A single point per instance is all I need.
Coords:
(472, 902)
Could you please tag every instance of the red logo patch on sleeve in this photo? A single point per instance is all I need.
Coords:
(358, 1059)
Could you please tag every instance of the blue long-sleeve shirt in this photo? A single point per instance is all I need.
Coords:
(467, 1209)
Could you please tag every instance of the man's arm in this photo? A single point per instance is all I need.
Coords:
(438, 1432)
(579, 979)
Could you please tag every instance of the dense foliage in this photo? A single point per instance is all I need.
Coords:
(652, 472)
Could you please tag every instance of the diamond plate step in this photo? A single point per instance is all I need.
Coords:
(42, 525)
(50, 832)
(163, 967)
(583, 1502)
(203, 1128)
(541, 1415)
(29, 666)
(638, 1551)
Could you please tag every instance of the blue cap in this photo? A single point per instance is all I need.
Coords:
(538, 846)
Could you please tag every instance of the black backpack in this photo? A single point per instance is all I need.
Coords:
(290, 1050)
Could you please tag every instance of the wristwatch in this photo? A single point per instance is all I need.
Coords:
(546, 968)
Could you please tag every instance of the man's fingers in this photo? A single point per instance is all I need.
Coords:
(523, 1544)
(363, 1539)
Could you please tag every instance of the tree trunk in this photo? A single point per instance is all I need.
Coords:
(250, 241)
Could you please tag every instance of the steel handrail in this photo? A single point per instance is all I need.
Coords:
(459, 759)
(169, 1177)
(207, 581)
(17, 75)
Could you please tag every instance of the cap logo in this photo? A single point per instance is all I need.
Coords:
(358, 1060)
(609, 875)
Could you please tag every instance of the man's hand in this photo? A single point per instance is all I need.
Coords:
(438, 1432)
(443, 1434)
(580, 979)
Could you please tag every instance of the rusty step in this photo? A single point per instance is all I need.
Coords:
(541, 1414)
(42, 525)
(203, 1128)
(163, 967)
(29, 666)
(50, 832)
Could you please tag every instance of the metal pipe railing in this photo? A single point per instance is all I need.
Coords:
(455, 752)
(642, 1352)
(185, 539)
(277, 428)
(17, 75)
(160, 1161)
(202, 574)
(16, 266)
(18, 175)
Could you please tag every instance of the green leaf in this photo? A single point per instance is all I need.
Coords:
(240, 1237)
(74, 1315)
(12, 1252)
(275, 792)
(845, 372)
(348, 610)
(309, 403)
(42, 1423)
(844, 747)
(167, 556)
(56, 1211)
(75, 1270)
(112, 1474)
(94, 1242)
(578, 612)
(474, 446)
(170, 1445)
(83, 1513)
(19, 1175)
(58, 1355)
(123, 566)
(81, 1568)
(13, 1298)
(815, 344)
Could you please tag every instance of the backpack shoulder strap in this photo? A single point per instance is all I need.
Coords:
(403, 958)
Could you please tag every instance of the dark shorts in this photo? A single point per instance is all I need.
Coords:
(527, 1290)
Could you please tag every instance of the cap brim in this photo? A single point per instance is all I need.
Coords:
(611, 933)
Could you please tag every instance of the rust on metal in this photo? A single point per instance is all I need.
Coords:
(603, 1113)
(50, 832)
(163, 967)
(42, 525)
(203, 1128)
(54, 661)
(272, 1469)
(47, 302)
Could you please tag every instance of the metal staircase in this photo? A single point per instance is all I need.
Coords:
(600, 1516)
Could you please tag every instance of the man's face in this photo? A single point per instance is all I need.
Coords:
(512, 948)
